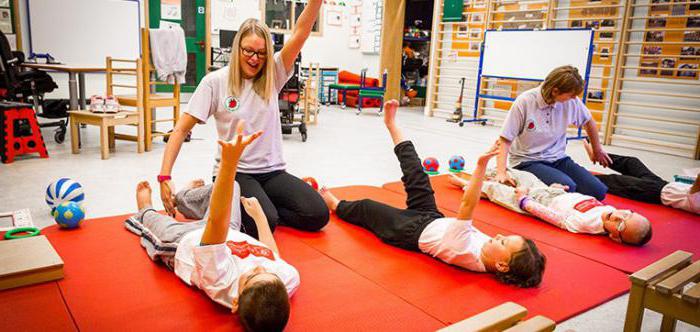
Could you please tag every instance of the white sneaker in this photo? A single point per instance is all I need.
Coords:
(111, 104)
(97, 104)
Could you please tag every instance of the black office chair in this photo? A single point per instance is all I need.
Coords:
(30, 86)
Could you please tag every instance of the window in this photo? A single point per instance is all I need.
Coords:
(281, 15)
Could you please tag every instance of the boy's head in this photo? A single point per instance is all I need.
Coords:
(514, 259)
(263, 302)
(627, 227)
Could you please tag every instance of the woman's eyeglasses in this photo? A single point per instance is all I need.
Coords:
(249, 53)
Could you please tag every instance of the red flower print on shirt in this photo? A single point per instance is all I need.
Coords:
(245, 249)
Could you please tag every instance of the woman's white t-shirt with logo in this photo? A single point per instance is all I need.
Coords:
(212, 98)
(216, 269)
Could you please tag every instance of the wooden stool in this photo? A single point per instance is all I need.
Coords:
(661, 287)
(505, 317)
(13, 142)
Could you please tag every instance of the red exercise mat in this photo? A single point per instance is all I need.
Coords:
(35, 308)
(111, 285)
(672, 229)
(571, 284)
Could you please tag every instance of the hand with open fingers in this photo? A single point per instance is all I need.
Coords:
(504, 178)
(601, 157)
(252, 207)
(167, 196)
(521, 192)
(234, 148)
(484, 158)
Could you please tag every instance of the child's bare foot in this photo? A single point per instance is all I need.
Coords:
(457, 181)
(696, 185)
(390, 108)
(196, 183)
(329, 198)
(143, 195)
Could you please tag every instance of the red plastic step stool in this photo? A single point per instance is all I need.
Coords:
(15, 139)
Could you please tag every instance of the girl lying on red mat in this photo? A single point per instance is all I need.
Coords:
(574, 212)
(421, 227)
(232, 268)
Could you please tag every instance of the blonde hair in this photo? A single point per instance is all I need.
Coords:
(565, 79)
(264, 81)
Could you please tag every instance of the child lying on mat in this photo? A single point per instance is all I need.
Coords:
(637, 182)
(574, 212)
(421, 227)
(232, 268)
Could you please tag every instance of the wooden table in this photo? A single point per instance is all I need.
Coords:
(72, 71)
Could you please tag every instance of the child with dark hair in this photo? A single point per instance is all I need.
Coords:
(422, 227)
(232, 268)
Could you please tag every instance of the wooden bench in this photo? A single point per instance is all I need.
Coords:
(661, 287)
(505, 317)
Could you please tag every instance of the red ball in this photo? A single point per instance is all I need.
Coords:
(430, 164)
(311, 181)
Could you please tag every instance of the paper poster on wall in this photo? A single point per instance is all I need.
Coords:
(170, 9)
(5, 20)
(355, 20)
(334, 18)
(168, 25)
(354, 42)
(12, 39)
(4, 3)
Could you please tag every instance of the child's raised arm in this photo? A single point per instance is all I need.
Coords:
(471, 196)
(220, 203)
(253, 208)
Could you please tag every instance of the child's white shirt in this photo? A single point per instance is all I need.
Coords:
(455, 242)
(677, 195)
(216, 269)
(583, 214)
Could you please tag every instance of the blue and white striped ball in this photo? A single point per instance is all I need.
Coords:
(69, 214)
(64, 190)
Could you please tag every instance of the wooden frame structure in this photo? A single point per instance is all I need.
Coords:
(505, 317)
(658, 114)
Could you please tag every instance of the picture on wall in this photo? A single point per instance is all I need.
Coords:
(654, 36)
(607, 23)
(653, 50)
(694, 6)
(5, 20)
(656, 22)
(651, 64)
(678, 10)
(576, 24)
(595, 95)
(688, 50)
(462, 32)
(334, 18)
(606, 35)
(476, 17)
(474, 33)
(693, 22)
(691, 36)
(354, 41)
(659, 7)
(688, 70)
(479, 3)
(605, 53)
(474, 46)
(667, 63)
(592, 24)
(4, 3)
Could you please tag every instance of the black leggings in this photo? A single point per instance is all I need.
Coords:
(635, 180)
(398, 227)
(286, 200)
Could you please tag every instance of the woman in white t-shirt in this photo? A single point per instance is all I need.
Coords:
(534, 134)
(248, 90)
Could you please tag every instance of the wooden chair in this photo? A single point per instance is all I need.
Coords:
(107, 121)
(661, 287)
(152, 100)
(310, 101)
(505, 317)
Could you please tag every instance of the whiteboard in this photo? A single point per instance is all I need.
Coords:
(533, 54)
(84, 32)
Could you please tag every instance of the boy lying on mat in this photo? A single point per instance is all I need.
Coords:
(637, 182)
(421, 227)
(232, 268)
(574, 212)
